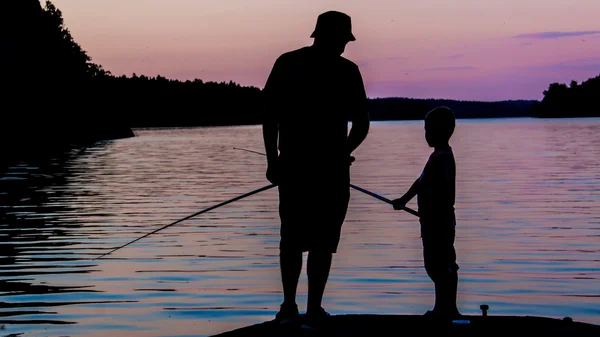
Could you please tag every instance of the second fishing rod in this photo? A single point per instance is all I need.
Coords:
(374, 195)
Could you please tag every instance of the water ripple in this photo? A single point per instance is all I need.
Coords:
(527, 236)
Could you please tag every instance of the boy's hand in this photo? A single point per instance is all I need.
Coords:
(399, 203)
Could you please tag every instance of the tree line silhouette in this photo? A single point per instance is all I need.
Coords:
(160, 102)
(575, 100)
(55, 93)
(412, 108)
(48, 80)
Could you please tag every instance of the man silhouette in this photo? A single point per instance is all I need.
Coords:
(310, 95)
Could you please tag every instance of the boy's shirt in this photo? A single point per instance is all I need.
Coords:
(436, 195)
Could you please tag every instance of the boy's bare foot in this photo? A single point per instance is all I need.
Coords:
(439, 314)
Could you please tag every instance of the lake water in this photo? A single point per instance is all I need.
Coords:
(528, 233)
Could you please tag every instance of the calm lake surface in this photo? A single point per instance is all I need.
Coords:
(528, 233)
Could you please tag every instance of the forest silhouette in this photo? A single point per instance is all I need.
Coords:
(575, 100)
(55, 94)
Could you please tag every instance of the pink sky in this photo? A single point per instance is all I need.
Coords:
(460, 49)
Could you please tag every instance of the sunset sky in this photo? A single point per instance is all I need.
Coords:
(460, 49)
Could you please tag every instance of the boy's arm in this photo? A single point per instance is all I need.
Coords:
(411, 193)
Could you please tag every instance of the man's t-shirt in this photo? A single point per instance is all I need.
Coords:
(311, 97)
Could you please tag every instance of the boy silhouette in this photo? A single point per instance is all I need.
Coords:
(435, 191)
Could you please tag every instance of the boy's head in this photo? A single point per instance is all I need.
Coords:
(439, 126)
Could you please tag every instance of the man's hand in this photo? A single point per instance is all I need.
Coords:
(399, 203)
(351, 160)
(273, 172)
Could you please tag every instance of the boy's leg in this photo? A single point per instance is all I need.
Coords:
(451, 291)
(451, 280)
(439, 288)
(442, 269)
(439, 298)
(431, 268)
(444, 274)
(445, 292)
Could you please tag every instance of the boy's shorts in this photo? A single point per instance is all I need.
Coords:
(439, 256)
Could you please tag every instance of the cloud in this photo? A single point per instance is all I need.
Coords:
(462, 68)
(584, 65)
(556, 35)
(455, 56)
(526, 43)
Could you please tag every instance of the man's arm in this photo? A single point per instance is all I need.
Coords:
(359, 130)
(270, 122)
(360, 115)
(270, 134)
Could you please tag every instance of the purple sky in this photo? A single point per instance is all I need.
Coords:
(461, 49)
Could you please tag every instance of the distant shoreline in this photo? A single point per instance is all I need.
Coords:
(68, 100)
(372, 121)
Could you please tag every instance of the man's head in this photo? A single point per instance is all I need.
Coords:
(439, 126)
(333, 31)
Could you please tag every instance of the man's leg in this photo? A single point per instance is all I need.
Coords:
(324, 239)
(290, 254)
(318, 266)
(291, 265)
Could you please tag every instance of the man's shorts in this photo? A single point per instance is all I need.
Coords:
(312, 214)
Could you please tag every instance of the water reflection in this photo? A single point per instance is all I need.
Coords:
(527, 242)
(39, 239)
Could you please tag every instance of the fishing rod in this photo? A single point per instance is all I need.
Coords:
(262, 154)
(193, 215)
(384, 199)
(377, 196)
(374, 195)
